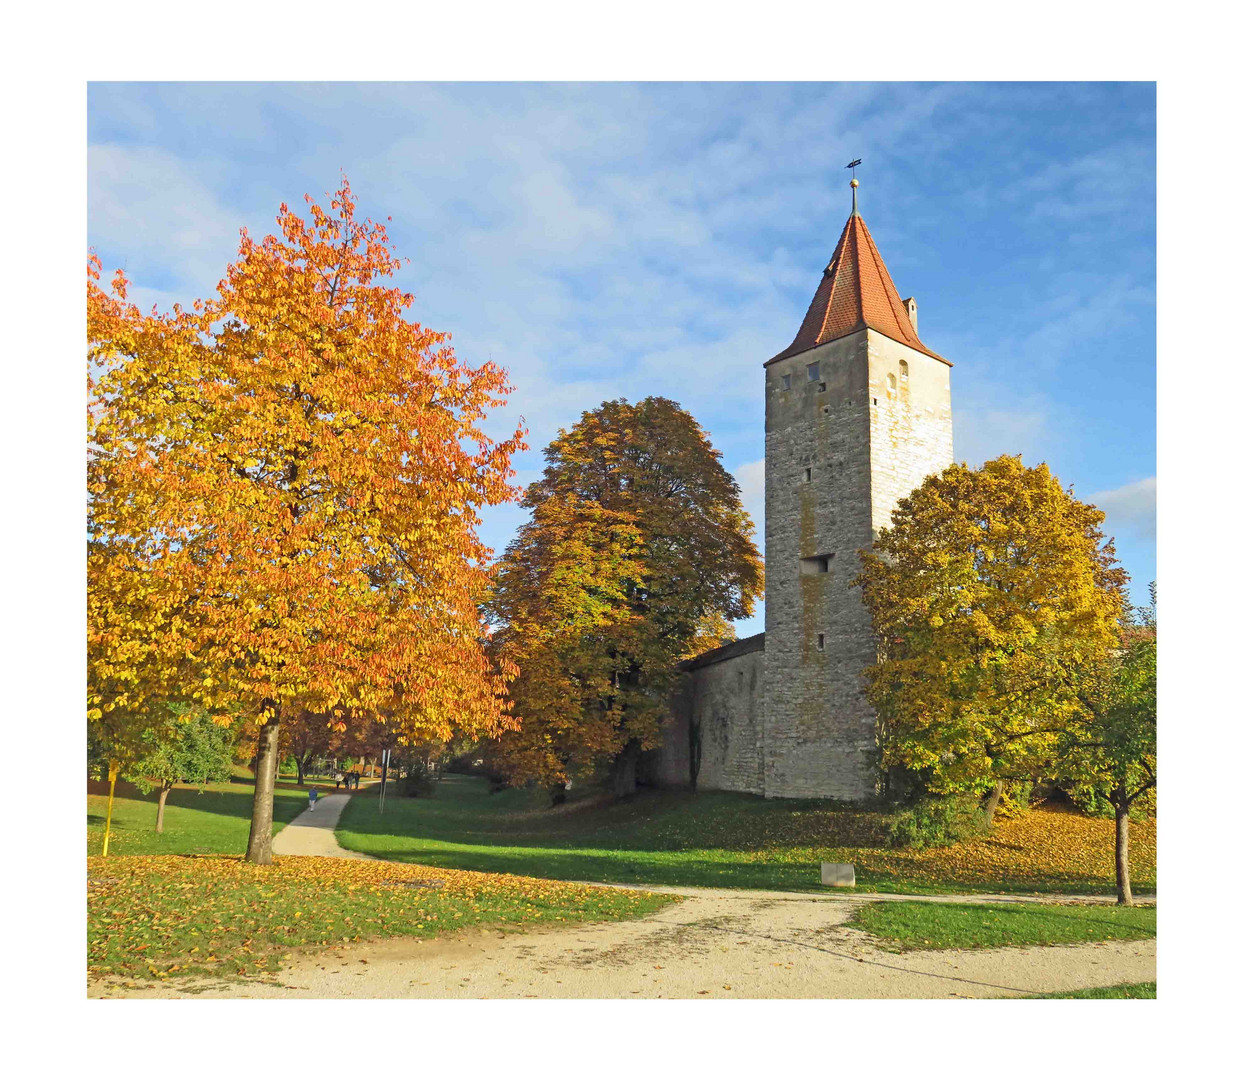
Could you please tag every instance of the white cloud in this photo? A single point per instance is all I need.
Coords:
(148, 205)
(750, 478)
(1130, 508)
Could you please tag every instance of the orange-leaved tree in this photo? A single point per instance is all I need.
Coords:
(284, 485)
(637, 553)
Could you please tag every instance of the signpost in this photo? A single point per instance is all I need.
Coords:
(383, 778)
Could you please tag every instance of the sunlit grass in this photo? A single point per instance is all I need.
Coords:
(725, 839)
(173, 915)
(919, 924)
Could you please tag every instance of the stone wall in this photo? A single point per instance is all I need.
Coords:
(722, 694)
(784, 714)
(819, 732)
(911, 423)
(841, 449)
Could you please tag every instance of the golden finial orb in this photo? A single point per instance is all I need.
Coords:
(853, 183)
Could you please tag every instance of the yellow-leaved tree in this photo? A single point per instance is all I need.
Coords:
(637, 553)
(284, 484)
(992, 590)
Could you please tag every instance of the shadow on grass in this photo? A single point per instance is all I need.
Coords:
(666, 837)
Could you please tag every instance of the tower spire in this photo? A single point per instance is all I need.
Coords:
(854, 184)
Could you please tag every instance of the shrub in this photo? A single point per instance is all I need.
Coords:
(419, 781)
(936, 823)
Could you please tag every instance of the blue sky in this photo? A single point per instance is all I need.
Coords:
(607, 240)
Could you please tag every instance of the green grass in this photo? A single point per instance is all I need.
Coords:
(178, 915)
(725, 839)
(917, 924)
(213, 821)
(1125, 990)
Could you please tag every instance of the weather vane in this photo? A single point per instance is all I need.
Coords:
(854, 180)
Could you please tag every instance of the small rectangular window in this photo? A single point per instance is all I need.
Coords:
(822, 387)
(816, 564)
(819, 642)
(812, 372)
(875, 401)
(786, 382)
(806, 474)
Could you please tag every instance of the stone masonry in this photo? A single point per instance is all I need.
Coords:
(857, 414)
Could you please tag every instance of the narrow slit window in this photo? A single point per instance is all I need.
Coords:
(819, 642)
(875, 401)
(816, 564)
(812, 372)
(806, 474)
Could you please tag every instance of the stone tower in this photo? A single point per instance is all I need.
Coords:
(857, 412)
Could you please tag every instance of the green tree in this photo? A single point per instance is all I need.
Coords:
(193, 749)
(637, 552)
(991, 590)
(1109, 755)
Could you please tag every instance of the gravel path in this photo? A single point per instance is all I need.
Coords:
(716, 943)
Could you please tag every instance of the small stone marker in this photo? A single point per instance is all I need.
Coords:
(840, 874)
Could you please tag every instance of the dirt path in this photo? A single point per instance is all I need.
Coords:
(714, 944)
(313, 832)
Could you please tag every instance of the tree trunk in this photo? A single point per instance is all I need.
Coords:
(159, 807)
(1121, 816)
(297, 762)
(994, 798)
(259, 848)
(625, 770)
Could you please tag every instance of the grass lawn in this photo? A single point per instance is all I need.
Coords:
(1125, 990)
(916, 924)
(727, 839)
(173, 915)
(213, 821)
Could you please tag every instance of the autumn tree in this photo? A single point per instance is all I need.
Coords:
(307, 736)
(637, 552)
(284, 491)
(991, 589)
(1109, 754)
(192, 749)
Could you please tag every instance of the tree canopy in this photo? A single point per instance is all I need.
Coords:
(191, 749)
(637, 553)
(284, 487)
(992, 590)
(1108, 756)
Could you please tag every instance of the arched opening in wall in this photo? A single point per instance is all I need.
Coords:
(892, 381)
(905, 371)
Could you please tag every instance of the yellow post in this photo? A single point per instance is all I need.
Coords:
(113, 768)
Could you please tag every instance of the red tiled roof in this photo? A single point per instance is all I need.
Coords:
(856, 291)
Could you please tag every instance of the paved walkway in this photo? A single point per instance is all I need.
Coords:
(313, 832)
